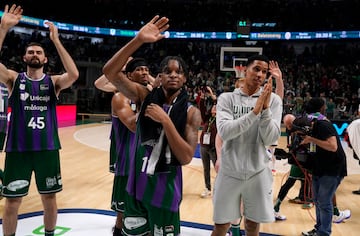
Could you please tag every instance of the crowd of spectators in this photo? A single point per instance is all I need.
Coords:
(329, 69)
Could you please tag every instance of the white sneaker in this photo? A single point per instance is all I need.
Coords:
(206, 193)
(343, 215)
(278, 216)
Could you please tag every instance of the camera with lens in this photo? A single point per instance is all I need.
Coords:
(298, 154)
(302, 129)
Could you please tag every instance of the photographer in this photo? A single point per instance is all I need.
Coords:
(296, 173)
(329, 162)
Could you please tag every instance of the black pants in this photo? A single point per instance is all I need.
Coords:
(208, 153)
(289, 184)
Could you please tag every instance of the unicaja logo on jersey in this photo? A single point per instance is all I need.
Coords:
(38, 98)
(24, 96)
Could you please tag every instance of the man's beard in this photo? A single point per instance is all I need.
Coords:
(35, 64)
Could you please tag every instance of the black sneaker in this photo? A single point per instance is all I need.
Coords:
(309, 233)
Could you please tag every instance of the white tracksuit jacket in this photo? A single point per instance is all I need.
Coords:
(244, 134)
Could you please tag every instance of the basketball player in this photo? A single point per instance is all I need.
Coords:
(122, 136)
(3, 124)
(167, 131)
(33, 138)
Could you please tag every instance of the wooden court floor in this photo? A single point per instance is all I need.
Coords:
(87, 184)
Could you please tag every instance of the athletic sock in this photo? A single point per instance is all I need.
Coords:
(277, 205)
(49, 232)
(117, 232)
(235, 230)
(336, 211)
(1, 175)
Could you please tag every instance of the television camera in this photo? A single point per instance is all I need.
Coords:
(298, 153)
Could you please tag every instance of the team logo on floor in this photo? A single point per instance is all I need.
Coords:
(85, 222)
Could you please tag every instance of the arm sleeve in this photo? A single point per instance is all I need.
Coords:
(270, 121)
(228, 127)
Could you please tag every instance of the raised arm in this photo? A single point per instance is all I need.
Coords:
(149, 33)
(276, 73)
(71, 74)
(10, 18)
(103, 84)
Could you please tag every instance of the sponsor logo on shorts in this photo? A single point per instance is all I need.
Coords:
(52, 181)
(59, 181)
(118, 206)
(134, 222)
(169, 228)
(158, 231)
(17, 184)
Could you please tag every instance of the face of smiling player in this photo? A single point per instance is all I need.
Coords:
(173, 76)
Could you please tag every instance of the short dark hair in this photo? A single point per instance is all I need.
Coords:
(34, 44)
(182, 64)
(135, 62)
(314, 105)
(257, 57)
